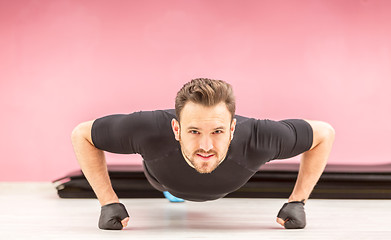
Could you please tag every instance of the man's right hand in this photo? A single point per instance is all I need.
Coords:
(93, 164)
(113, 216)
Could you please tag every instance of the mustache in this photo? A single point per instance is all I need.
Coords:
(205, 152)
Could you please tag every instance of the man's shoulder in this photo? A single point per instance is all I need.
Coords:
(158, 113)
(137, 121)
(151, 116)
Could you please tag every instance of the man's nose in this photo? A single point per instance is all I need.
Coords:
(206, 143)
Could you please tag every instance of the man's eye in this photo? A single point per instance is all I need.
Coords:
(194, 132)
(218, 132)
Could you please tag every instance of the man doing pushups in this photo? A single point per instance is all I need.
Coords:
(201, 151)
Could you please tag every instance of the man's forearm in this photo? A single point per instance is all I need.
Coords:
(93, 164)
(312, 165)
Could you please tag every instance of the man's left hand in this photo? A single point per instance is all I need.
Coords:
(292, 215)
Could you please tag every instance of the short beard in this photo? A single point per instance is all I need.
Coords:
(203, 168)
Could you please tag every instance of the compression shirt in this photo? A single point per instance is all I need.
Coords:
(149, 133)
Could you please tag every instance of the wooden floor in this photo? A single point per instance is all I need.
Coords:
(33, 211)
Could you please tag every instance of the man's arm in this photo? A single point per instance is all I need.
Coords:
(313, 162)
(93, 164)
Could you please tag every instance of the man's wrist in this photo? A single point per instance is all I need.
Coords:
(108, 200)
(102, 203)
(297, 199)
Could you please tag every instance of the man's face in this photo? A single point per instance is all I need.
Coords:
(204, 134)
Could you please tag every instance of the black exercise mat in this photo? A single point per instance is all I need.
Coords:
(272, 181)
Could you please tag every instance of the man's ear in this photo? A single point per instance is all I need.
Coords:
(233, 126)
(175, 128)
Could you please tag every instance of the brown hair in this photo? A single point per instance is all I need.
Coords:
(207, 92)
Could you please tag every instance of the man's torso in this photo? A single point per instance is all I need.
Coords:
(149, 133)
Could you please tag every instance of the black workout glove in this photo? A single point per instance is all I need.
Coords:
(111, 216)
(293, 214)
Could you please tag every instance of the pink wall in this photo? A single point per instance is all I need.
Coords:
(67, 61)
